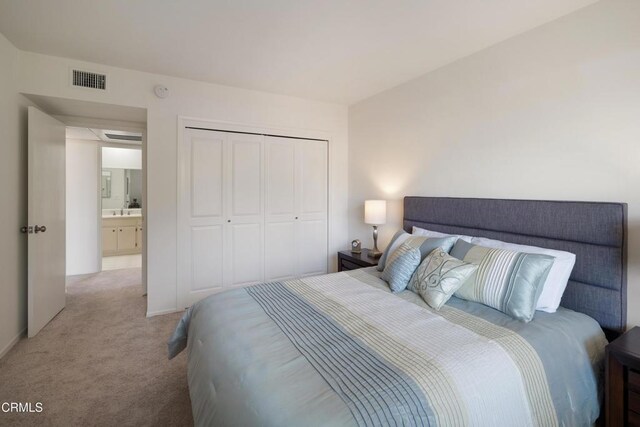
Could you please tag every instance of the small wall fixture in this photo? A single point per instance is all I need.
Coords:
(161, 91)
(375, 213)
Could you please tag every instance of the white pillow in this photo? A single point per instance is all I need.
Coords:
(417, 231)
(556, 282)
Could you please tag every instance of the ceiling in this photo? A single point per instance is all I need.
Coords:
(330, 50)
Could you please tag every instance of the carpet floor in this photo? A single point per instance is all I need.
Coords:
(99, 362)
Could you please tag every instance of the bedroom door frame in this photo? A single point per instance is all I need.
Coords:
(226, 126)
(98, 123)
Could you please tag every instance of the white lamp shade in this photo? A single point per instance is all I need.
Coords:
(375, 212)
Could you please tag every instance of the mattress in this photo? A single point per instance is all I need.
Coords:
(341, 350)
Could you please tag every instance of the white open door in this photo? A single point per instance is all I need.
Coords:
(46, 219)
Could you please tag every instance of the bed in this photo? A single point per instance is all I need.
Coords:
(340, 349)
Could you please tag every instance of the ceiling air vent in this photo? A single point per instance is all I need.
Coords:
(123, 137)
(89, 80)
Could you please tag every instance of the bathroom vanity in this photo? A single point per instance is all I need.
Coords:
(121, 232)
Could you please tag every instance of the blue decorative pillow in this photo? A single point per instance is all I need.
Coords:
(439, 276)
(426, 245)
(400, 266)
(506, 280)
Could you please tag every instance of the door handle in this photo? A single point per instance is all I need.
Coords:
(39, 229)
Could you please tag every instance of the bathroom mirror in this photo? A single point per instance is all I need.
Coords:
(121, 188)
(106, 184)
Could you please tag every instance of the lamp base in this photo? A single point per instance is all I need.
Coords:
(374, 254)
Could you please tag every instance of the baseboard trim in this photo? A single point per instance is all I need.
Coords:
(13, 342)
(161, 312)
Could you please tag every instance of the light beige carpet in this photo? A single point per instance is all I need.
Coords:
(99, 362)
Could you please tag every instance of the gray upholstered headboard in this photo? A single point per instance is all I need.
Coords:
(595, 232)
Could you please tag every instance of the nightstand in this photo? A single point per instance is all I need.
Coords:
(350, 261)
(622, 390)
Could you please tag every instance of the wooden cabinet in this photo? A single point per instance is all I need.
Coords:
(252, 208)
(121, 235)
(623, 380)
(139, 236)
(127, 238)
(350, 261)
(109, 239)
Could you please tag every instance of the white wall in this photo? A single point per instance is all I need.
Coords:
(82, 207)
(13, 189)
(48, 76)
(550, 114)
(121, 158)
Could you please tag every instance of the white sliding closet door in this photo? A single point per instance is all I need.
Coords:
(281, 257)
(296, 208)
(202, 208)
(220, 233)
(312, 207)
(252, 208)
(245, 218)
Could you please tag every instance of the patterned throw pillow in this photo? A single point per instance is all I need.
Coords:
(400, 266)
(506, 280)
(426, 245)
(439, 276)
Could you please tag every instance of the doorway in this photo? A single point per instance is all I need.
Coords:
(104, 165)
(71, 212)
(121, 205)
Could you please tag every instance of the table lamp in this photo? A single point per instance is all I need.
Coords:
(375, 213)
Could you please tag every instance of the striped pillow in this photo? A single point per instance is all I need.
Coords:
(506, 280)
(426, 244)
(401, 265)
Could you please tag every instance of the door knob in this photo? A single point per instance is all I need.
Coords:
(39, 229)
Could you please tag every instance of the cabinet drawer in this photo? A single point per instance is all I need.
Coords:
(634, 401)
(634, 419)
(634, 380)
(348, 265)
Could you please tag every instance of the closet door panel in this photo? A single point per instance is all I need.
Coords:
(202, 213)
(245, 249)
(207, 255)
(246, 175)
(312, 247)
(312, 205)
(207, 177)
(280, 250)
(280, 208)
(313, 177)
(244, 242)
(280, 160)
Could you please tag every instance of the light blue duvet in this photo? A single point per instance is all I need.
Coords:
(340, 349)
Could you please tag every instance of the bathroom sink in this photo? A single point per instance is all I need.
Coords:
(116, 213)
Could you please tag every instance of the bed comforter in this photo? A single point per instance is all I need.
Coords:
(340, 349)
